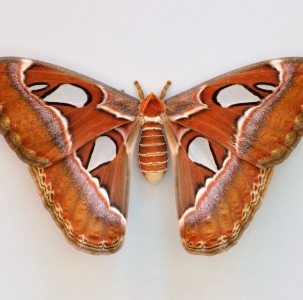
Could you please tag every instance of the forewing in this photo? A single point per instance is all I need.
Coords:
(254, 112)
(47, 112)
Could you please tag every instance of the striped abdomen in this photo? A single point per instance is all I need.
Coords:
(152, 152)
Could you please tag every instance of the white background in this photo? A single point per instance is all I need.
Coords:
(117, 42)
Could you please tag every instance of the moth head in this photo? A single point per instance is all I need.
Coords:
(152, 106)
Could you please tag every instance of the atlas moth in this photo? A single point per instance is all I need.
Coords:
(225, 136)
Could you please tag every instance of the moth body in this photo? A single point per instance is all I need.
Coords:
(152, 147)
